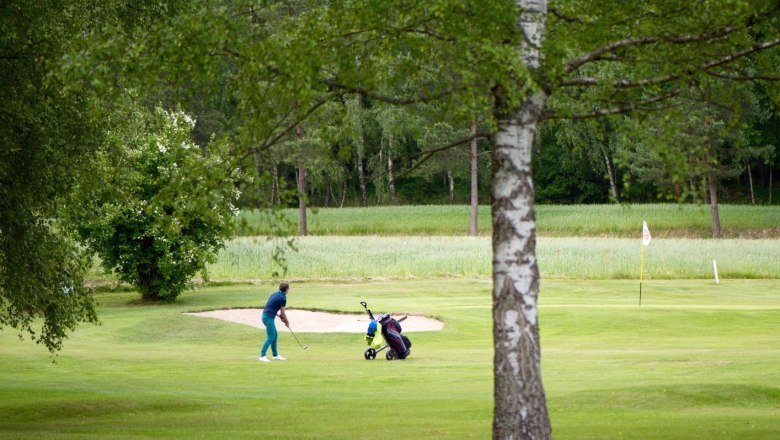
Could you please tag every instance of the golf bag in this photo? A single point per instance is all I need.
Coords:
(399, 344)
(390, 329)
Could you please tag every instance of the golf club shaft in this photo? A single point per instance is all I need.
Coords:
(296, 338)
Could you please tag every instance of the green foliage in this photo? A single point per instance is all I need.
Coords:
(49, 142)
(175, 212)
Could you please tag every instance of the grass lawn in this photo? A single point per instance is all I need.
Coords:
(697, 360)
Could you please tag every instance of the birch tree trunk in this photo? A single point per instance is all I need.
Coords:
(362, 179)
(520, 407)
(713, 188)
(750, 181)
(328, 192)
(258, 173)
(303, 229)
(451, 187)
(276, 198)
(611, 174)
(391, 179)
(474, 183)
(769, 202)
(343, 193)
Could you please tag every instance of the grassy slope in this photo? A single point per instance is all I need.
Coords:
(695, 361)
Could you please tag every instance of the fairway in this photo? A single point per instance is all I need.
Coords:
(697, 360)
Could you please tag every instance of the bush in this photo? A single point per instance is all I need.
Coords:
(174, 212)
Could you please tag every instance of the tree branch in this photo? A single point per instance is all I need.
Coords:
(742, 53)
(427, 154)
(421, 99)
(624, 84)
(271, 139)
(641, 41)
(619, 109)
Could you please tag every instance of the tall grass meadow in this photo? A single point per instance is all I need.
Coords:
(665, 220)
(370, 257)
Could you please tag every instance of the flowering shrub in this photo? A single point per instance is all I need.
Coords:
(174, 213)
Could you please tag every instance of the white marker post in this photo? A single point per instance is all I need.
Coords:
(715, 269)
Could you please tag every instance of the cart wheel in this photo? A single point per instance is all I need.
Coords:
(391, 355)
(370, 354)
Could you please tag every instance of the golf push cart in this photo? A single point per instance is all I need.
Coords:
(398, 345)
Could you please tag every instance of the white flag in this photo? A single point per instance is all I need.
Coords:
(645, 234)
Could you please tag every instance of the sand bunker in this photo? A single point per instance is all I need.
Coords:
(320, 322)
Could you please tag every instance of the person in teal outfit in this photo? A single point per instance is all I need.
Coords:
(275, 304)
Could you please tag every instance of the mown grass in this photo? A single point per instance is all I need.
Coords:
(697, 360)
(436, 257)
(665, 220)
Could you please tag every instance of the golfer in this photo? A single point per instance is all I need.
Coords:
(276, 303)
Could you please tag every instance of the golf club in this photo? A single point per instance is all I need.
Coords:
(365, 306)
(296, 338)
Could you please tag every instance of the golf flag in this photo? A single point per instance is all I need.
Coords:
(645, 242)
(645, 234)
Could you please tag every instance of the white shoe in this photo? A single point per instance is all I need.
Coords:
(279, 358)
(263, 359)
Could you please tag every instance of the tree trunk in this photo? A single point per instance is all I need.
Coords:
(520, 406)
(713, 187)
(303, 228)
(276, 198)
(451, 187)
(769, 202)
(520, 410)
(474, 182)
(258, 173)
(611, 174)
(362, 180)
(343, 193)
(391, 179)
(750, 181)
(328, 192)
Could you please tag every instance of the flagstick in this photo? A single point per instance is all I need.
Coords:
(641, 271)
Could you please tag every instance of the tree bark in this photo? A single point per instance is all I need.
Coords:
(276, 198)
(713, 187)
(611, 174)
(474, 182)
(343, 193)
(520, 406)
(391, 179)
(328, 192)
(451, 187)
(750, 181)
(258, 173)
(303, 228)
(362, 181)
